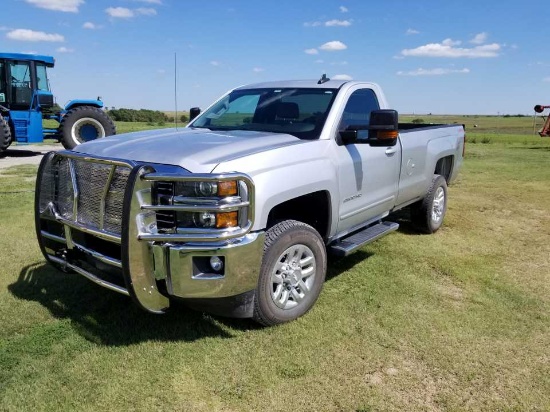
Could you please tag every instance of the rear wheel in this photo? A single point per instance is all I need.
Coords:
(5, 134)
(292, 273)
(83, 124)
(428, 214)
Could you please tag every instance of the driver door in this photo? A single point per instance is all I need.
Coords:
(368, 176)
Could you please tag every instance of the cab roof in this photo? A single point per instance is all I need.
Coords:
(47, 60)
(306, 84)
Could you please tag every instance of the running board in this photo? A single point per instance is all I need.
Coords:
(347, 245)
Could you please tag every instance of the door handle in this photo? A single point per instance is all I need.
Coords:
(391, 150)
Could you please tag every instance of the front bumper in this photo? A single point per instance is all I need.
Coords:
(137, 260)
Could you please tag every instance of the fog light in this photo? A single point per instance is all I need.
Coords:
(216, 263)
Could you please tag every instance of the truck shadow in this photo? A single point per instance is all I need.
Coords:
(20, 153)
(109, 318)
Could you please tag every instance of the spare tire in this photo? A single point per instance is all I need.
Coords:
(5, 134)
(83, 124)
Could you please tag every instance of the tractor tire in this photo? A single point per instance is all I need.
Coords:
(83, 124)
(428, 214)
(5, 135)
(292, 274)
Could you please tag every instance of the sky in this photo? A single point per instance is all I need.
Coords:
(440, 57)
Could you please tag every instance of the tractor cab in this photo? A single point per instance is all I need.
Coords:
(25, 97)
(24, 82)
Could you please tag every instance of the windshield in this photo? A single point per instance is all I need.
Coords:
(299, 112)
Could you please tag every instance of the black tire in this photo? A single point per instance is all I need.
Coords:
(428, 214)
(84, 123)
(297, 283)
(5, 135)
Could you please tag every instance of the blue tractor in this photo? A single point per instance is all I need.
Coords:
(26, 99)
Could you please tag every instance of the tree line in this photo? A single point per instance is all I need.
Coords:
(143, 115)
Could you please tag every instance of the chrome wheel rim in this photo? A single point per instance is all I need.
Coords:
(293, 276)
(438, 205)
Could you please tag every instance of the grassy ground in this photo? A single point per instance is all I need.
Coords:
(459, 320)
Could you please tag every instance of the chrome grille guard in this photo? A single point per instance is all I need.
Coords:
(120, 211)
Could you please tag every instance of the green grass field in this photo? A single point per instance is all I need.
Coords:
(459, 320)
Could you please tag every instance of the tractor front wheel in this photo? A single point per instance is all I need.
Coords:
(83, 124)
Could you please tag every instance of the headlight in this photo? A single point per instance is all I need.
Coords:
(202, 194)
(206, 189)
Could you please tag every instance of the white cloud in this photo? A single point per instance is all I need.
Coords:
(311, 51)
(91, 26)
(258, 69)
(342, 63)
(119, 12)
(433, 72)
(329, 23)
(546, 79)
(318, 61)
(411, 31)
(215, 63)
(70, 6)
(126, 13)
(146, 11)
(450, 42)
(64, 49)
(447, 49)
(343, 9)
(150, 1)
(342, 23)
(31, 35)
(342, 77)
(335, 45)
(479, 38)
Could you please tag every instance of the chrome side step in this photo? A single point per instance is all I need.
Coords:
(349, 244)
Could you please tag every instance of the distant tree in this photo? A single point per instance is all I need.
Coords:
(184, 118)
(418, 121)
(141, 115)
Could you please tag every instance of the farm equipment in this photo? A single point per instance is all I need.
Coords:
(545, 131)
(26, 100)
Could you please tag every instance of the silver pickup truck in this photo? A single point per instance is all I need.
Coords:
(235, 213)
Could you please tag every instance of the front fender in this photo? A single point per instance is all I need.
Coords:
(75, 103)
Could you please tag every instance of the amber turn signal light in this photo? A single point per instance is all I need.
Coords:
(227, 188)
(387, 134)
(226, 219)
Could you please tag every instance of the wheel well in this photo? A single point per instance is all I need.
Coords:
(313, 209)
(444, 167)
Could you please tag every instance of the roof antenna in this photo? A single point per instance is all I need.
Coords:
(176, 89)
(323, 79)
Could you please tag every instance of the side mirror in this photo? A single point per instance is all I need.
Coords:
(194, 112)
(383, 129)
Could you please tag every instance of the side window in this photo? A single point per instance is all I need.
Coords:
(41, 77)
(357, 110)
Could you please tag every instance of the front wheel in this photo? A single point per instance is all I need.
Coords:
(83, 124)
(292, 274)
(428, 214)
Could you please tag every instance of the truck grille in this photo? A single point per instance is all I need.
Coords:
(98, 189)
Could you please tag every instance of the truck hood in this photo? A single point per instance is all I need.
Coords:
(197, 150)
